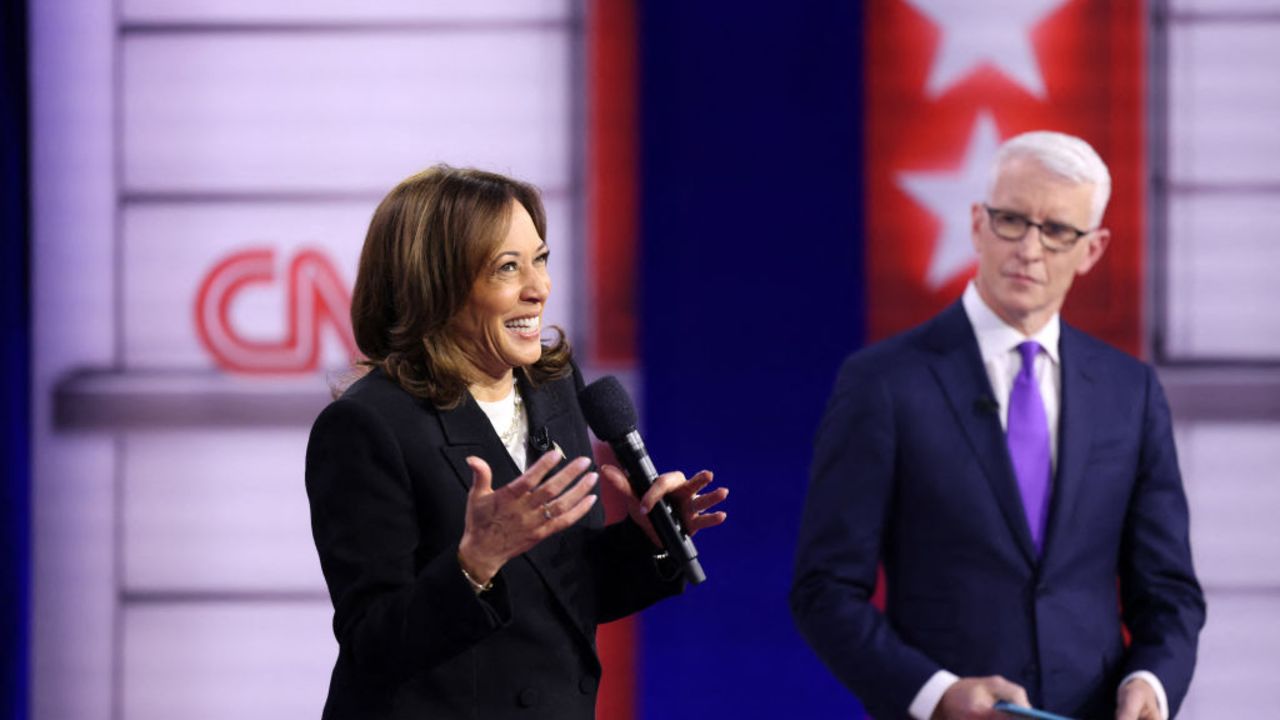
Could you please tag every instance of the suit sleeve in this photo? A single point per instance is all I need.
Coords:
(1164, 607)
(850, 498)
(391, 620)
(628, 577)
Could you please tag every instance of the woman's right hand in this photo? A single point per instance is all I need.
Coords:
(506, 522)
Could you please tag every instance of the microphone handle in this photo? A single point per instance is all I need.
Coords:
(641, 473)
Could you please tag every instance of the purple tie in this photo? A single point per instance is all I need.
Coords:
(1028, 438)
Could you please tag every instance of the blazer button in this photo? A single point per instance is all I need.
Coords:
(527, 698)
(587, 685)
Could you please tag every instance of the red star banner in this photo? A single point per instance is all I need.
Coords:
(947, 81)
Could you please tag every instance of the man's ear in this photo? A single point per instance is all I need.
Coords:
(976, 212)
(1094, 250)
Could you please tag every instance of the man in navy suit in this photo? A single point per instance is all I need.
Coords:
(1016, 479)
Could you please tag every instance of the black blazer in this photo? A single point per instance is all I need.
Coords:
(387, 482)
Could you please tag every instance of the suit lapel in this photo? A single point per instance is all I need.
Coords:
(958, 369)
(549, 407)
(549, 419)
(1075, 433)
(468, 432)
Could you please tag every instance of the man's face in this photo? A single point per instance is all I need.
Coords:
(1020, 280)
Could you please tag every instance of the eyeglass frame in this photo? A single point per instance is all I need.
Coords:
(1039, 226)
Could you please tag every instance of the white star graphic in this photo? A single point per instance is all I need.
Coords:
(948, 194)
(997, 32)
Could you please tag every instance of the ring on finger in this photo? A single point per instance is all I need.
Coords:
(546, 511)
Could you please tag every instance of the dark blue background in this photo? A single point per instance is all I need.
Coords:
(14, 363)
(751, 294)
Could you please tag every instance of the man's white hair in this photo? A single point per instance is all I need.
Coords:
(1066, 156)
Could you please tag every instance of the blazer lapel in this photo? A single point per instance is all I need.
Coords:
(550, 422)
(468, 432)
(1075, 433)
(550, 418)
(958, 369)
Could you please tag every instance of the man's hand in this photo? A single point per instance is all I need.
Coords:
(975, 699)
(1137, 701)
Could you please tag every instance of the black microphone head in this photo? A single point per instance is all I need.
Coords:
(608, 409)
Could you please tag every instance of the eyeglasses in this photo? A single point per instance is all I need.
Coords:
(1054, 236)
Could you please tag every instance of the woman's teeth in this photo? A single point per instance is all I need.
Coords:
(523, 324)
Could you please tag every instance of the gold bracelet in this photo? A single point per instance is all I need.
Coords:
(476, 586)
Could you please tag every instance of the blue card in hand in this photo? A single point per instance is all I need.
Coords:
(1009, 708)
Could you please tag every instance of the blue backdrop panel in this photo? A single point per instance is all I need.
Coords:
(14, 364)
(751, 294)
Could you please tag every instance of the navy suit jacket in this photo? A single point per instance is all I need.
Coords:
(911, 472)
(387, 480)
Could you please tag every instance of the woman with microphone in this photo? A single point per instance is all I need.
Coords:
(454, 504)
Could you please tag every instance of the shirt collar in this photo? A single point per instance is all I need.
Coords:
(996, 337)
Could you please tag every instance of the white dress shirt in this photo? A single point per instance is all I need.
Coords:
(998, 345)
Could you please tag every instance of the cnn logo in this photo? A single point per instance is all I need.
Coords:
(315, 298)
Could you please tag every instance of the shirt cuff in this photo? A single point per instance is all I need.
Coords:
(1161, 700)
(926, 701)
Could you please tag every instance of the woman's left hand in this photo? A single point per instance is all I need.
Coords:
(681, 492)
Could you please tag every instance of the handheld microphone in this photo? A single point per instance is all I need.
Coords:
(612, 418)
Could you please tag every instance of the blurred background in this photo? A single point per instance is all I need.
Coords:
(739, 195)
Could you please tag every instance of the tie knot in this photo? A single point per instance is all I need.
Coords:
(1028, 350)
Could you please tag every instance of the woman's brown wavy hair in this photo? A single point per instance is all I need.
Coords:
(428, 242)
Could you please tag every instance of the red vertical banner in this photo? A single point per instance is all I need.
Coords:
(612, 220)
(947, 81)
(612, 176)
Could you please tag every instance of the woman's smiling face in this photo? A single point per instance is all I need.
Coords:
(500, 328)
